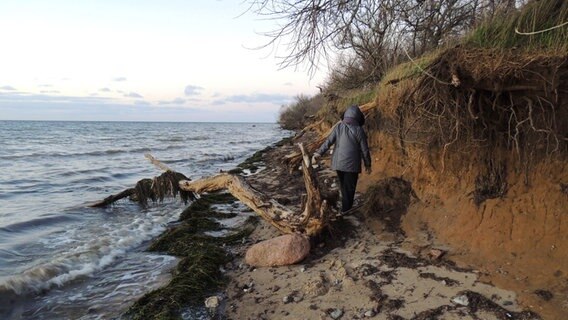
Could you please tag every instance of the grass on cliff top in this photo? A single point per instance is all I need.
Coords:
(535, 16)
(197, 275)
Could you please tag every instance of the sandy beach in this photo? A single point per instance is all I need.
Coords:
(362, 268)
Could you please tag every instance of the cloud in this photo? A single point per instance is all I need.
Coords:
(24, 97)
(45, 85)
(133, 95)
(288, 84)
(256, 98)
(119, 79)
(7, 88)
(191, 90)
(104, 90)
(174, 101)
(50, 91)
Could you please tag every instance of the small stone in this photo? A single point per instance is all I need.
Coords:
(298, 298)
(275, 288)
(341, 273)
(248, 287)
(461, 300)
(333, 185)
(287, 299)
(369, 314)
(435, 254)
(212, 302)
(303, 269)
(336, 313)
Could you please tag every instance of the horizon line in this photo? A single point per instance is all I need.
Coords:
(150, 121)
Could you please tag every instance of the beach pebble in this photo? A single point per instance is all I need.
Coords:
(461, 300)
(298, 298)
(280, 251)
(336, 313)
(248, 287)
(369, 314)
(212, 302)
(287, 299)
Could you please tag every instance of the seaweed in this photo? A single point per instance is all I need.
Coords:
(197, 274)
(202, 206)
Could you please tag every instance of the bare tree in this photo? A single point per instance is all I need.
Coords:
(372, 31)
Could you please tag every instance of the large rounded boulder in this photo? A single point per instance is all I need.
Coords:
(280, 251)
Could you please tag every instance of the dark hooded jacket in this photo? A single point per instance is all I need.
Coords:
(350, 142)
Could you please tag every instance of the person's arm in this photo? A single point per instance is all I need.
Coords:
(365, 151)
(328, 142)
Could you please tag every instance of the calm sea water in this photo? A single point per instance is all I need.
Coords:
(61, 259)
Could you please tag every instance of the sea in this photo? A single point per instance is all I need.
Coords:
(60, 258)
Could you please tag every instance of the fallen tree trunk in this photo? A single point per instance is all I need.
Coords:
(315, 213)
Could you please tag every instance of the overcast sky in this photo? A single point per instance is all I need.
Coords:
(175, 60)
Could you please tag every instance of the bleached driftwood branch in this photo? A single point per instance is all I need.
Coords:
(315, 213)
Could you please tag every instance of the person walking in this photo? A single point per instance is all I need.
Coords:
(350, 147)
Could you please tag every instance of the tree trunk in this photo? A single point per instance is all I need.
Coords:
(315, 214)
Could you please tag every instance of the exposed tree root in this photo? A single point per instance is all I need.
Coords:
(156, 189)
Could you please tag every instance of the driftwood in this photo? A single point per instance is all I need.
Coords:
(315, 213)
(156, 189)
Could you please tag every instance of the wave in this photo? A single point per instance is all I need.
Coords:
(35, 223)
(110, 242)
(88, 153)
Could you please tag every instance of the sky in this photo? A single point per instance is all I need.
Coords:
(143, 60)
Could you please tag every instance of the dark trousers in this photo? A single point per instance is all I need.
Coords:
(347, 183)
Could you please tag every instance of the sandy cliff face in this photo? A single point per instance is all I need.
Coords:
(519, 239)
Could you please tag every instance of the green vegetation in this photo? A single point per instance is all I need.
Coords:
(409, 69)
(197, 275)
(499, 32)
(297, 114)
(201, 208)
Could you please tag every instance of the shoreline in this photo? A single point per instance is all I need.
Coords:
(204, 239)
(364, 268)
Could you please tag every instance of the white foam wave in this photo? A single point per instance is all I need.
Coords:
(81, 256)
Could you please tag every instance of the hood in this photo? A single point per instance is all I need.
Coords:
(355, 113)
